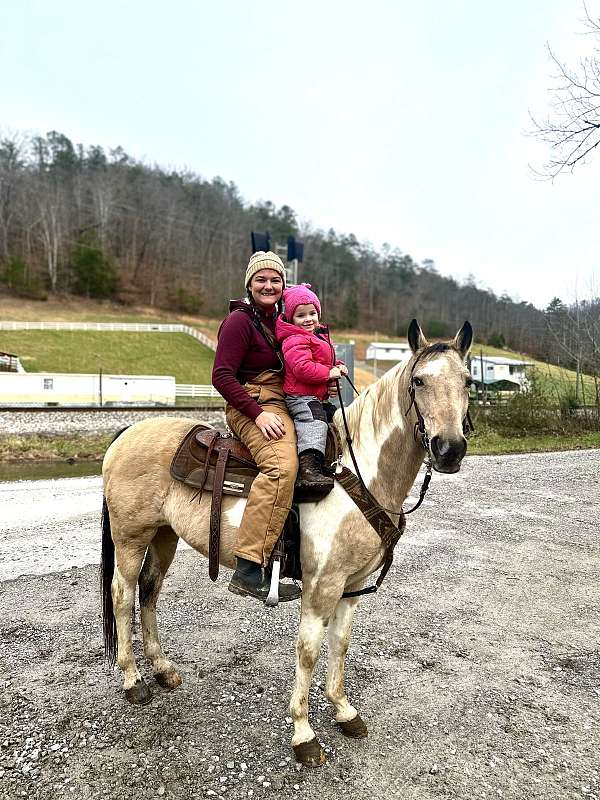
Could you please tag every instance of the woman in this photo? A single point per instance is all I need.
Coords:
(248, 373)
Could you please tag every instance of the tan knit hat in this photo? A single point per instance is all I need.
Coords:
(261, 260)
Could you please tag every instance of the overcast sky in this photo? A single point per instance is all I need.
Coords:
(399, 121)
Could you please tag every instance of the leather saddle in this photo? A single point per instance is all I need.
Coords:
(214, 460)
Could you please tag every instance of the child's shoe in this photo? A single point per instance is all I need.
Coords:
(310, 472)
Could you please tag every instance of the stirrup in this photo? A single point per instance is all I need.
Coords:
(273, 596)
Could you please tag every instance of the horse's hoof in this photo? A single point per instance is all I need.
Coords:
(310, 753)
(354, 728)
(138, 694)
(168, 680)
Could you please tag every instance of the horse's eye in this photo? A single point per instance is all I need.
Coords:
(468, 382)
(418, 381)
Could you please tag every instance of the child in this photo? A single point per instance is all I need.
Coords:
(309, 360)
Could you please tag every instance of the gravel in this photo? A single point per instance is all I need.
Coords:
(476, 667)
(92, 422)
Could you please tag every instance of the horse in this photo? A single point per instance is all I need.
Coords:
(146, 512)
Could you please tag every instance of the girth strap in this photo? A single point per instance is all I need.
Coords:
(215, 514)
(377, 518)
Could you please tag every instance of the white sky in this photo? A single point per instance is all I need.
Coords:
(399, 121)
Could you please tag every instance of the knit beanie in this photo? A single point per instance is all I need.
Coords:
(261, 260)
(298, 295)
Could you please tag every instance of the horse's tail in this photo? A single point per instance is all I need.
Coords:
(107, 568)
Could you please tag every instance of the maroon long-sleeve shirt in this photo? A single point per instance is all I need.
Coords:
(242, 354)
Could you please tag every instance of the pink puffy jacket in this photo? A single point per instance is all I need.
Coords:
(308, 357)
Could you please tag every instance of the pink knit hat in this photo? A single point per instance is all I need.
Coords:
(299, 295)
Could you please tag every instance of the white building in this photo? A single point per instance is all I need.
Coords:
(388, 351)
(51, 388)
(500, 371)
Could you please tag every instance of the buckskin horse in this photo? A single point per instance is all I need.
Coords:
(418, 408)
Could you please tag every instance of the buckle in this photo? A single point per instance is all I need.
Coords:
(233, 486)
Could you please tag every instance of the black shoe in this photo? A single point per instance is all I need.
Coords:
(310, 472)
(248, 580)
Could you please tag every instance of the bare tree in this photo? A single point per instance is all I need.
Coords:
(573, 128)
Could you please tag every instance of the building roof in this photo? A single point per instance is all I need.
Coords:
(390, 345)
(501, 360)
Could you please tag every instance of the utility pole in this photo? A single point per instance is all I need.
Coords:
(483, 389)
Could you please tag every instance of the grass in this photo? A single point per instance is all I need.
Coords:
(80, 309)
(489, 442)
(92, 447)
(115, 352)
(54, 448)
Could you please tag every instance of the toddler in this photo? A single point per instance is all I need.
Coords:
(310, 362)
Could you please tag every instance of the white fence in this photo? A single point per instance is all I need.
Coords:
(197, 390)
(139, 327)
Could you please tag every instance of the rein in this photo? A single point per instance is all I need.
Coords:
(419, 427)
(374, 512)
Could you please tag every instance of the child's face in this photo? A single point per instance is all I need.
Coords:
(305, 316)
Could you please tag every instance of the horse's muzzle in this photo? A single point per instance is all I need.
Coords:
(447, 454)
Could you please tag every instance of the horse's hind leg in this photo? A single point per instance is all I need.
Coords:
(158, 559)
(125, 577)
(340, 629)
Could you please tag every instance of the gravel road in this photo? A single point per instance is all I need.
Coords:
(476, 667)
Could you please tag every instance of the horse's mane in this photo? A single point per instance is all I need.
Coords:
(385, 394)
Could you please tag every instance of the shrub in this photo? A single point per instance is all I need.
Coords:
(496, 340)
(15, 273)
(534, 412)
(93, 272)
(187, 301)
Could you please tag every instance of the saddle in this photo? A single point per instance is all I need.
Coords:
(213, 460)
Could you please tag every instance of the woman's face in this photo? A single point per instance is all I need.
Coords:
(266, 287)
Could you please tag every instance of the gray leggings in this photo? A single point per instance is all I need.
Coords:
(310, 421)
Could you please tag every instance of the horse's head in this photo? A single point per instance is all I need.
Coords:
(439, 388)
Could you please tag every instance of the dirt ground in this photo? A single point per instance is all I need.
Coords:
(476, 667)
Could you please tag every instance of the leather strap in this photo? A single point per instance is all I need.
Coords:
(215, 514)
(377, 518)
(211, 447)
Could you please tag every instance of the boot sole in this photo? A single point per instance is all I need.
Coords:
(246, 593)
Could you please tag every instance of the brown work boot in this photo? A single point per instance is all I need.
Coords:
(310, 472)
(248, 580)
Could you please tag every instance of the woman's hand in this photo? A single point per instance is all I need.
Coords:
(343, 369)
(271, 425)
(335, 372)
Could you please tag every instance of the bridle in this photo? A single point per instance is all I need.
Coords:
(420, 432)
(420, 435)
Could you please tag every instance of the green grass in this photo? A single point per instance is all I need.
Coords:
(54, 448)
(115, 352)
(92, 447)
(489, 442)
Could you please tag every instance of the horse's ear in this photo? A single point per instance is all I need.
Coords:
(415, 337)
(464, 339)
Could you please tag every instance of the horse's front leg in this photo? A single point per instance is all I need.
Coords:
(310, 636)
(340, 629)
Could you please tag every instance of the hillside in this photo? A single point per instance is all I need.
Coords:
(173, 354)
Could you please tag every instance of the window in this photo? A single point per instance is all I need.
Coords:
(48, 384)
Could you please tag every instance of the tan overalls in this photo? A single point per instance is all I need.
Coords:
(270, 497)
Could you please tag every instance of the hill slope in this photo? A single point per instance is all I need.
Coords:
(116, 352)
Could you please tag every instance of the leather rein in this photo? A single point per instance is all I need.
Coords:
(375, 513)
